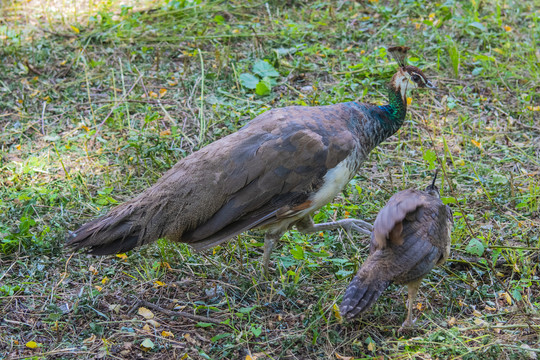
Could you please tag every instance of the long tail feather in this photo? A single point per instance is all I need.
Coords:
(360, 295)
(113, 233)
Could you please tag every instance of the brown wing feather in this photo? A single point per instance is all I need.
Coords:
(424, 234)
(231, 185)
(388, 224)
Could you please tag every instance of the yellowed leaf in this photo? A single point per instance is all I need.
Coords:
(75, 29)
(534, 108)
(507, 297)
(480, 322)
(341, 357)
(18, 147)
(476, 143)
(93, 270)
(249, 357)
(158, 283)
(371, 346)
(121, 256)
(105, 280)
(166, 265)
(147, 328)
(152, 94)
(154, 323)
(477, 313)
(172, 82)
(337, 314)
(144, 312)
(32, 345)
(167, 334)
(165, 132)
(507, 28)
(419, 306)
(452, 321)
(115, 307)
(409, 101)
(489, 308)
(162, 92)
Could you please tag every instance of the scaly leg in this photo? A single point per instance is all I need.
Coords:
(412, 289)
(306, 225)
(269, 241)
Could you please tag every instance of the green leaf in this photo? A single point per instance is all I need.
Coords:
(247, 310)
(430, 157)
(248, 81)
(448, 200)
(298, 252)
(498, 179)
(219, 19)
(256, 331)
(477, 71)
(263, 88)
(478, 25)
(220, 336)
(516, 294)
(475, 247)
(263, 69)
(343, 273)
(147, 344)
(203, 324)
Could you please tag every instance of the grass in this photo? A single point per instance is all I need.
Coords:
(97, 101)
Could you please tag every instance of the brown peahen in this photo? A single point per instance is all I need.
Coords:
(271, 174)
(411, 235)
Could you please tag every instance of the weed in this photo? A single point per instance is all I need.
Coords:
(97, 103)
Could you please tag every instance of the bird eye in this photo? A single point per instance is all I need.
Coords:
(416, 78)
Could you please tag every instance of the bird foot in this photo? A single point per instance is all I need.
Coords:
(407, 325)
(357, 225)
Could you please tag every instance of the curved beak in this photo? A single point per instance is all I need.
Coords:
(430, 86)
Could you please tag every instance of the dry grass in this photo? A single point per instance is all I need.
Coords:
(99, 99)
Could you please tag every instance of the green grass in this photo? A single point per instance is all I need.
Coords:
(96, 102)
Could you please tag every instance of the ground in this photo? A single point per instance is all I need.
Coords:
(99, 98)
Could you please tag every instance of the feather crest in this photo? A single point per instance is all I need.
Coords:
(399, 53)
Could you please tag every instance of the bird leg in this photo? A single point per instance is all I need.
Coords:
(269, 241)
(412, 289)
(307, 226)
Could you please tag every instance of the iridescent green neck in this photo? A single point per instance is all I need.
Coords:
(396, 108)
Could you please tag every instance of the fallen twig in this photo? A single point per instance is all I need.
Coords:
(183, 314)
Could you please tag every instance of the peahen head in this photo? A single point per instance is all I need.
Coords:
(407, 77)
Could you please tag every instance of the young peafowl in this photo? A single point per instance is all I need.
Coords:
(411, 235)
(271, 174)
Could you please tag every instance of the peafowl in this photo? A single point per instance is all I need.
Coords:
(271, 174)
(411, 235)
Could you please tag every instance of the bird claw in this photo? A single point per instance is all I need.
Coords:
(357, 225)
(407, 325)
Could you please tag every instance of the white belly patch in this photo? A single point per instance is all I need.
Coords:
(334, 181)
